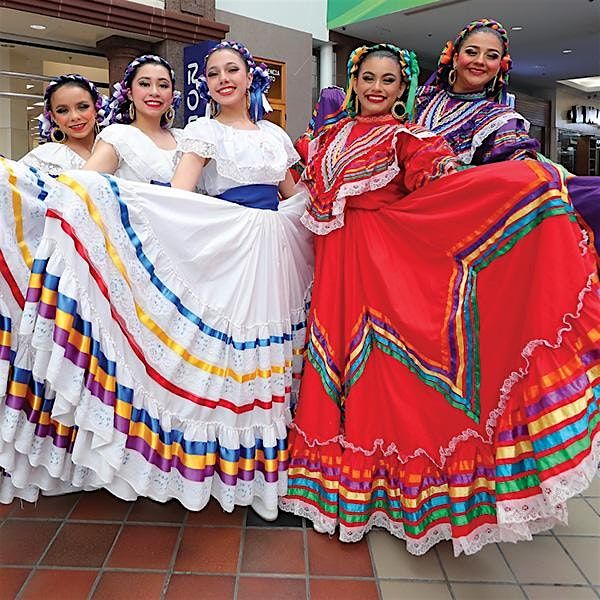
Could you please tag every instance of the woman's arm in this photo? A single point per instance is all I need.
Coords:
(287, 186)
(104, 159)
(188, 171)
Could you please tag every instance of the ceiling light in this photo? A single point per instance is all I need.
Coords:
(516, 28)
(30, 107)
(38, 27)
(29, 86)
(38, 104)
(567, 51)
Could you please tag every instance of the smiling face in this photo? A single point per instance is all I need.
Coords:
(227, 78)
(151, 90)
(477, 62)
(74, 111)
(378, 85)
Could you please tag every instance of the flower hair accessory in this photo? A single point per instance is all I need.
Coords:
(46, 124)
(261, 81)
(120, 103)
(409, 68)
(445, 64)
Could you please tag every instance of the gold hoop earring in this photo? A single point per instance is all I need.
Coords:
(132, 112)
(57, 136)
(169, 116)
(399, 110)
(452, 77)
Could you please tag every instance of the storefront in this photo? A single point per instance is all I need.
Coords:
(40, 39)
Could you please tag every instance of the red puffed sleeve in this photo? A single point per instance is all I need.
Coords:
(423, 157)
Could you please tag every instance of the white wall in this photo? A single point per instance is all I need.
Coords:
(309, 16)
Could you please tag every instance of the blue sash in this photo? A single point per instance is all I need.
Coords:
(256, 195)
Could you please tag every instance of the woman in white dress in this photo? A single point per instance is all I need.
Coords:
(68, 125)
(139, 143)
(169, 325)
(74, 113)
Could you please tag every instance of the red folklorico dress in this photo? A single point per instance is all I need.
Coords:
(452, 378)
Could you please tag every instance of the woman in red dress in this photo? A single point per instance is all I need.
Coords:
(452, 377)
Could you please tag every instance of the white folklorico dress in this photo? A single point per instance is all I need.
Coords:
(53, 158)
(167, 331)
(140, 159)
(22, 210)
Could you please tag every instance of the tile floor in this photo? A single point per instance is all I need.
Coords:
(94, 546)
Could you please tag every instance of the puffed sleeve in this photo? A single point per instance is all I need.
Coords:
(292, 157)
(509, 142)
(200, 137)
(423, 157)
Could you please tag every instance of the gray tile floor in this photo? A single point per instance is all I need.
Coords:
(560, 565)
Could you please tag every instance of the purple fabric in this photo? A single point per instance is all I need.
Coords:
(509, 142)
(585, 194)
(327, 110)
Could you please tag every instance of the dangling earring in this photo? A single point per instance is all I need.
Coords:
(132, 112)
(492, 84)
(214, 108)
(248, 102)
(57, 136)
(96, 128)
(399, 110)
(452, 77)
(169, 116)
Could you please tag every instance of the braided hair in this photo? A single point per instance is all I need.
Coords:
(259, 85)
(499, 85)
(120, 102)
(409, 69)
(46, 124)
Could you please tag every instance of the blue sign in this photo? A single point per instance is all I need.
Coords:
(193, 63)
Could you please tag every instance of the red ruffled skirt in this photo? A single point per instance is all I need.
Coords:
(452, 378)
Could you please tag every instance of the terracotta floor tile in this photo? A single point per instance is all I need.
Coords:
(81, 545)
(207, 587)
(47, 507)
(157, 512)
(100, 506)
(59, 585)
(213, 515)
(133, 586)
(343, 589)
(6, 509)
(23, 542)
(273, 551)
(263, 588)
(144, 547)
(11, 581)
(331, 557)
(209, 550)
